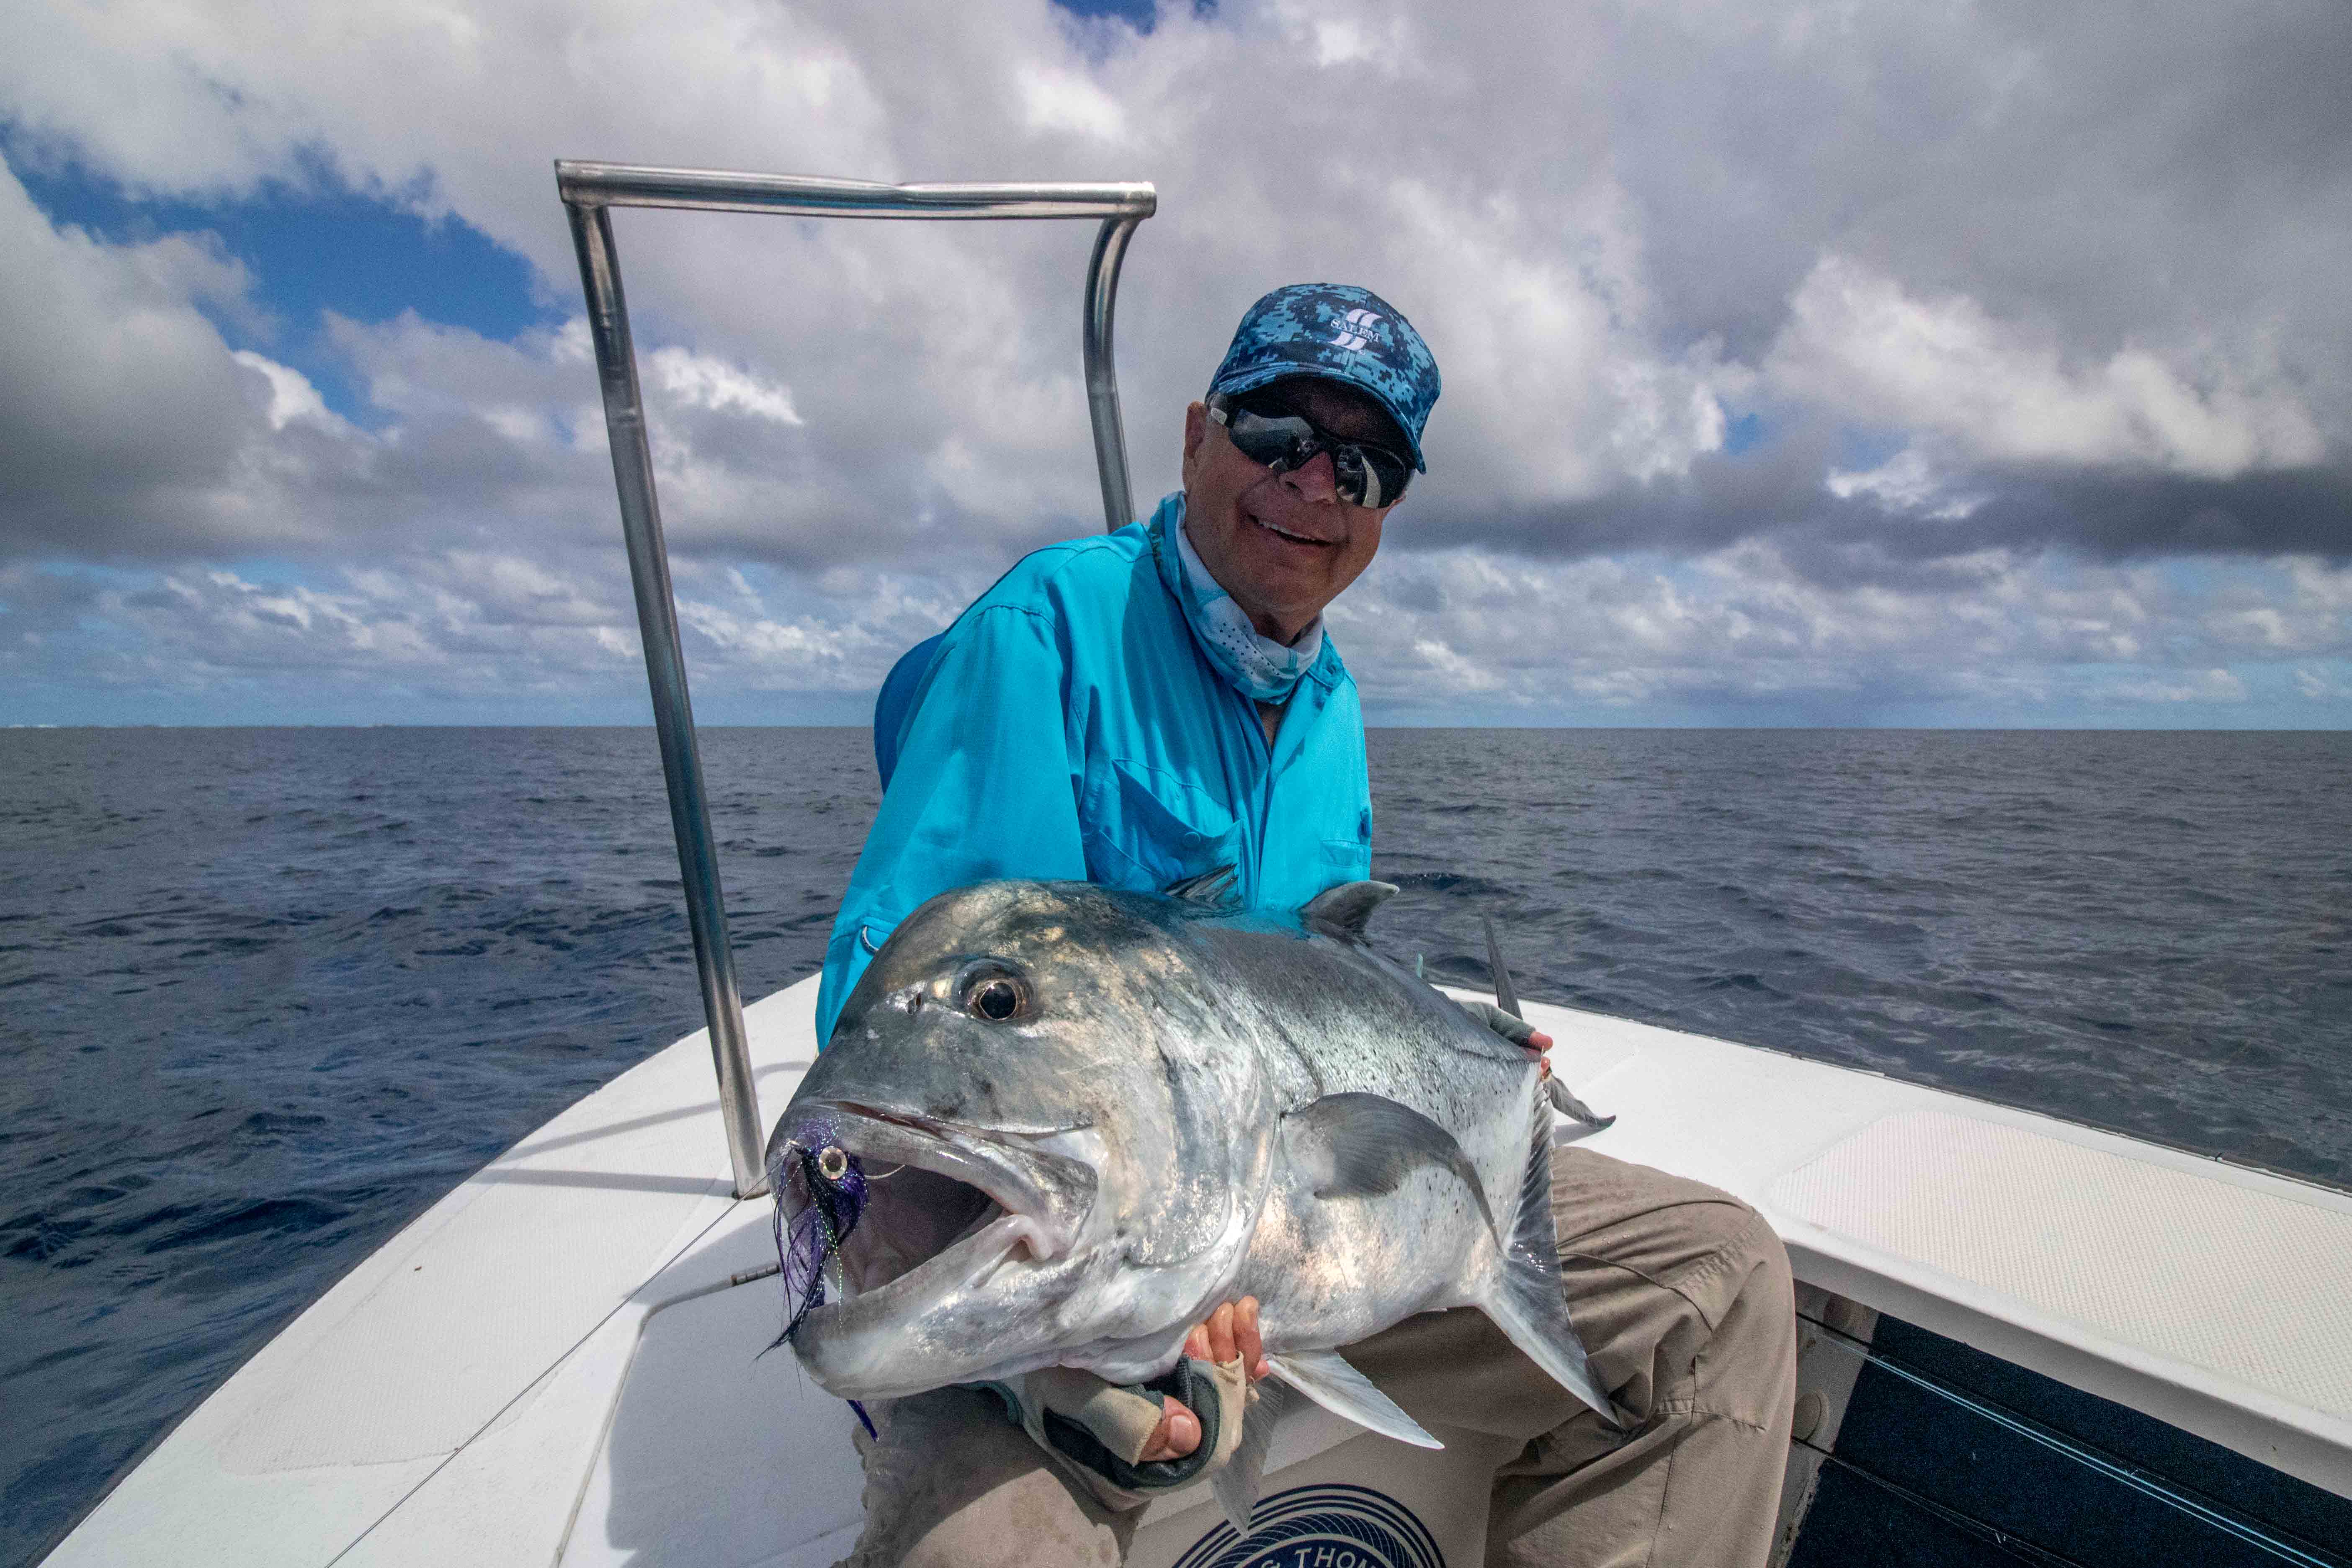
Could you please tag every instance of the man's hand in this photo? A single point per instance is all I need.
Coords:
(1230, 1332)
(1516, 1030)
(1536, 1046)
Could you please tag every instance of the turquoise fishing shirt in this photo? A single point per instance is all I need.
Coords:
(1070, 728)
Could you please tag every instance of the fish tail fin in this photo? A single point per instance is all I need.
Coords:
(1524, 1295)
(1324, 1377)
(1236, 1486)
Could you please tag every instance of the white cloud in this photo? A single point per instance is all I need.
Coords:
(700, 380)
(2203, 686)
(1451, 633)
(1372, 45)
(1065, 100)
(1905, 482)
(457, 618)
(1860, 343)
(1555, 389)
(2323, 686)
(483, 623)
(115, 384)
(2309, 612)
(291, 395)
(1745, 625)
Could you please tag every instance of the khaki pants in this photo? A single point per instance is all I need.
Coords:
(1682, 1296)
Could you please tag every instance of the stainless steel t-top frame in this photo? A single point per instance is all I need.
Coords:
(589, 191)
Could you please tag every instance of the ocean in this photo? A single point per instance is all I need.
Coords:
(265, 994)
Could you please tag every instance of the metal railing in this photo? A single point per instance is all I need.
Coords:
(590, 191)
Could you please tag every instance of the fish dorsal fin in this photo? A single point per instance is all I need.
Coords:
(1362, 1145)
(1523, 1296)
(1506, 997)
(1236, 1485)
(1324, 1377)
(1347, 907)
(1216, 889)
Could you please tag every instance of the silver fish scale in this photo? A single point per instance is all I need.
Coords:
(1328, 1271)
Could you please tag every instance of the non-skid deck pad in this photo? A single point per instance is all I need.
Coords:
(2247, 1283)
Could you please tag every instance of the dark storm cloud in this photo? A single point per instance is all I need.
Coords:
(2298, 510)
(2102, 517)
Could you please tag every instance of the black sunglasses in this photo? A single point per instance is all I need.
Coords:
(1364, 473)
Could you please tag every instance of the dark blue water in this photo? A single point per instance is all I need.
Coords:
(266, 994)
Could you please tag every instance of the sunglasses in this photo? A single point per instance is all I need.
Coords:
(1364, 473)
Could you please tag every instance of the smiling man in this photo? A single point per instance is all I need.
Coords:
(1141, 707)
(1287, 551)
(1154, 705)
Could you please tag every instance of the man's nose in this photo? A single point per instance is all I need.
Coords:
(1318, 479)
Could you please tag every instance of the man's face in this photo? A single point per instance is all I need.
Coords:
(1283, 545)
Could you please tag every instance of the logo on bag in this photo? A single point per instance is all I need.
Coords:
(1321, 1527)
(1352, 328)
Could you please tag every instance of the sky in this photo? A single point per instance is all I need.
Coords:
(1978, 364)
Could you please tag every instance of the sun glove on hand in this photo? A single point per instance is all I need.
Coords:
(1519, 1031)
(1099, 1429)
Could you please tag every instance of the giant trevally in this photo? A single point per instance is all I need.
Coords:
(1057, 1124)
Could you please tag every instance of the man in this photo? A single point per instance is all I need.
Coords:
(1152, 705)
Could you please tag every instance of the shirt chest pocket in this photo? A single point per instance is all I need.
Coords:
(1346, 860)
(1146, 828)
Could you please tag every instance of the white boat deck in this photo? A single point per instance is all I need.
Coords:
(2213, 1297)
(550, 1366)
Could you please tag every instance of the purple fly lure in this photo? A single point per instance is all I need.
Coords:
(834, 1184)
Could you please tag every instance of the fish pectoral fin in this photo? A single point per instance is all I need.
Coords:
(1362, 1145)
(1324, 1377)
(1236, 1486)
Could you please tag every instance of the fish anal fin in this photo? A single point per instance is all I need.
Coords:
(1362, 1145)
(1523, 1297)
(1345, 908)
(1324, 1377)
(1236, 1486)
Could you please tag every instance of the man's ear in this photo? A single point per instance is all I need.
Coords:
(1196, 431)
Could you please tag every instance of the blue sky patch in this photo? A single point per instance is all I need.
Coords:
(312, 246)
(1742, 434)
(1140, 14)
(1861, 449)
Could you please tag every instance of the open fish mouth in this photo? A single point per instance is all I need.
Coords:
(944, 1206)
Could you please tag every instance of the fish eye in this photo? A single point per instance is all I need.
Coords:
(991, 993)
(996, 999)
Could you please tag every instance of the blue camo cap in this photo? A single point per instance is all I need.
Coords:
(1339, 332)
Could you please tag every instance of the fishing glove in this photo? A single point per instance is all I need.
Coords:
(1099, 1429)
(1519, 1031)
(1516, 1030)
